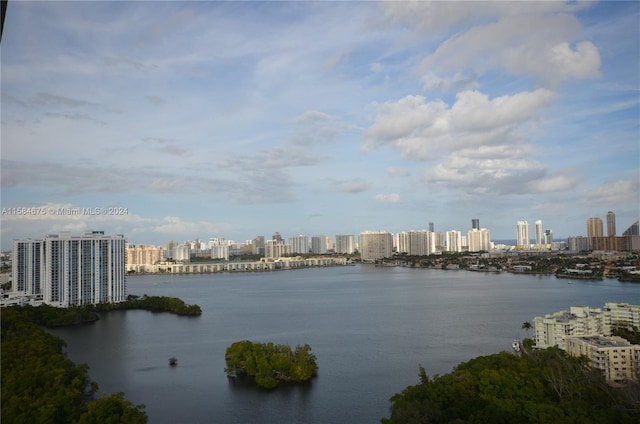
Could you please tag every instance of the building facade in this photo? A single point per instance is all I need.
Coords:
(453, 241)
(345, 244)
(552, 329)
(611, 224)
(522, 238)
(417, 243)
(144, 255)
(319, 245)
(73, 270)
(594, 227)
(274, 249)
(616, 357)
(479, 240)
(539, 234)
(375, 245)
(300, 244)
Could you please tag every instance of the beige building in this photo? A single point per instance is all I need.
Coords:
(616, 357)
(273, 249)
(621, 314)
(375, 245)
(144, 255)
(552, 329)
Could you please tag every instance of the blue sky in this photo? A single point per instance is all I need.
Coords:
(237, 119)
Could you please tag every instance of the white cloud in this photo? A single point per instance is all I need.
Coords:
(355, 185)
(398, 172)
(615, 192)
(387, 198)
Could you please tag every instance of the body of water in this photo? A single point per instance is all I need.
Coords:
(370, 327)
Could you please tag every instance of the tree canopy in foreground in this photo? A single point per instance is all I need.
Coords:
(39, 385)
(544, 386)
(270, 364)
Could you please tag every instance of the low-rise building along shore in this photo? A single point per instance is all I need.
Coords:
(214, 267)
(618, 359)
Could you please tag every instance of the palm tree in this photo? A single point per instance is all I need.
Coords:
(526, 326)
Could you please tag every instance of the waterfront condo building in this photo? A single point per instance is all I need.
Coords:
(453, 241)
(611, 224)
(418, 243)
(522, 238)
(594, 227)
(345, 244)
(319, 245)
(539, 233)
(616, 357)
(144, 255)
(375, 245)
(274, 249)
(552, 329)
(479, 239)
(71, 270)
(300, 244)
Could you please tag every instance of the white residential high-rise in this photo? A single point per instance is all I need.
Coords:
(219, 248)
(454, 241)
(318, 244)
(299, 244)
(539, 233)
(479, 240)
(375, 245)
(418, 243)
(345, 244)
(73, 270)
(523, 241)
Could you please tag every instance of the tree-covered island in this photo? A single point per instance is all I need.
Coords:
(270, 364)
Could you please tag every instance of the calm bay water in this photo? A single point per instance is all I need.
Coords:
(369, 327)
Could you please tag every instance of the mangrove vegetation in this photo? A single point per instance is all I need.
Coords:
(270, 364)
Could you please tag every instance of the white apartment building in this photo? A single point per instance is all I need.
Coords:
(300, 244)
(72, 270)
(319, 245)
(622, 314)
(479, 239)
(375, 245)
(219, 248)
(418, 243)
(552, 329)
(273, 249)
(522, 240)
(539, 234)
(618, 359)
(345, 244)
(453, 240)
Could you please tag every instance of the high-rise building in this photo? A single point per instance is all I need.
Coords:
(375, 245)
(453, 241)
(539, 233)
(548, 237)
(72, 270)
(345, 244)
(633, 230)
(274, 249)
(144, 255)
(579, 243)
(219, 248)
(594, 227)
(479, 240)
(522, 240)
(440, 239)
(475, 224)
(418, 243)
(318, 244)
(299, 244)
(431, 227)
(611, 224)
(258, 245)
(277, 237)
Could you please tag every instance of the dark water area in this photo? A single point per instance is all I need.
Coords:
(369, 327)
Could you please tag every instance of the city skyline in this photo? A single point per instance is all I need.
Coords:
(172, 121)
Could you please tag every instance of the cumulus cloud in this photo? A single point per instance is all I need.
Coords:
(614, 192)
(387, 198)
(355, 185)
(421, 129)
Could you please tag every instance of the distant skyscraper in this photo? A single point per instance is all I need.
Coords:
(548, 237)
(539, 233)
(594, 227)
(277, 237)
(479, 240)
(523, 241)
(375, 245)
(611, 224)
(431, 227)
(418, 243)
(299, 244)
(475, 224)
(633, 230)
(318, 244)
(454, 241)
(345, 244)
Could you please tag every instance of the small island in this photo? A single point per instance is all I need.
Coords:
(270, 364)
